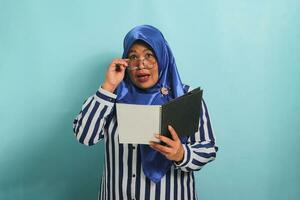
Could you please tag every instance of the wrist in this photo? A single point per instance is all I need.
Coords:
(108, 87)
(180, 155)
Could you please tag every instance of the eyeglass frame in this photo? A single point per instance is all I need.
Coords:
(132, 68)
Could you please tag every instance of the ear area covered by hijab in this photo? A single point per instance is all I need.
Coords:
(155, 165)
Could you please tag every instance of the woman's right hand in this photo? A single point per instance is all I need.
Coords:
(114, 74)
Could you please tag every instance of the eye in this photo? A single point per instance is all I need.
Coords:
(132, 57)
(149, 56)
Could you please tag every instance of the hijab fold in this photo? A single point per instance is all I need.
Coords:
(154, 164)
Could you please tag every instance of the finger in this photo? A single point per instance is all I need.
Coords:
(118, 68)
(124, 61)
(119, 61)
(121, 64)
(166, 140)
(173, 133)
(162, 149)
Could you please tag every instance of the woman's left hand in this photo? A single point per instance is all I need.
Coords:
(173, 150)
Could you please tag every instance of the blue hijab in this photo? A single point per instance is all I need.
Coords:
(155, 165)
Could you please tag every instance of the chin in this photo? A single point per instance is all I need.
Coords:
(144, 86)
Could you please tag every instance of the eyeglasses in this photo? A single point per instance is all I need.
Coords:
(135, 63)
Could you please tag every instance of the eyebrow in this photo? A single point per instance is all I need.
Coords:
(134, 51)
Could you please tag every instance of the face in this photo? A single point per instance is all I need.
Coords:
(143, 66)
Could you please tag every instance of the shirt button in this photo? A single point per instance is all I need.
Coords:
(133, 175)
(133, 148)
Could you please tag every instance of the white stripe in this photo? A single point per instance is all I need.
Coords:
(193, 167)
(206, 136)
(202, 159)
(163, 188)
(172, 183)
(185, 186)
(102, 187)
(142, 184)
(107, 93)
(125, 175)
(110, 128)
(204, 150)
(197, 134)
(178, 184)
(133, 180)
(152, 190)
(191, 189)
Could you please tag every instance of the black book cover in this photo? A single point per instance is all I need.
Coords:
(182, 113)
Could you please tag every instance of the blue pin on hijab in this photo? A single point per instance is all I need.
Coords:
(169, 86)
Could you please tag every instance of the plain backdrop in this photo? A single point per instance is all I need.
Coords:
(244, 54)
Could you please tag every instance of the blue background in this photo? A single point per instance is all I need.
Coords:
(245, 54)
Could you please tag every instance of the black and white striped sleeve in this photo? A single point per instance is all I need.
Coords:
(201, 148)
(89, 124)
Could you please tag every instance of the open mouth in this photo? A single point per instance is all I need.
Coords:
(143, 77)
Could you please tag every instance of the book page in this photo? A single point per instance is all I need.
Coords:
(138, 124)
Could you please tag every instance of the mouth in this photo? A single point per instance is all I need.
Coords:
(143, 77)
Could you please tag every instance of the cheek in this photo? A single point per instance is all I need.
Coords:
(131, 75)
(155, 75)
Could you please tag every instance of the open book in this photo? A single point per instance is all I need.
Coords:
(138, 124)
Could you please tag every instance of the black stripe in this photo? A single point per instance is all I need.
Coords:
(197, 163)
(192, 139)
(97, 126)
(129, 170)
(168, 190)
(147, 189)
(121, 168)
(182, 184)
(104, 97)
(157, 190)
(108, 166)
(109, 117)
(138, 172)
(175, 184)
(113, 160)
(84, 111)
(189, 169)
(74, 124)
(88, 123)
(188, 151)
(206, 155)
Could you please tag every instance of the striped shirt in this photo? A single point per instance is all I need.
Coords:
(123, 176)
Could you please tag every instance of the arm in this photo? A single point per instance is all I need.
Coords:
(201, 148)
(89, 124)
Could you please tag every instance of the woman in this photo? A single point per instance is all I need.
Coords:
(146, 74)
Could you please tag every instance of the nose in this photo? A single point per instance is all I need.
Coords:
(141, 64)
